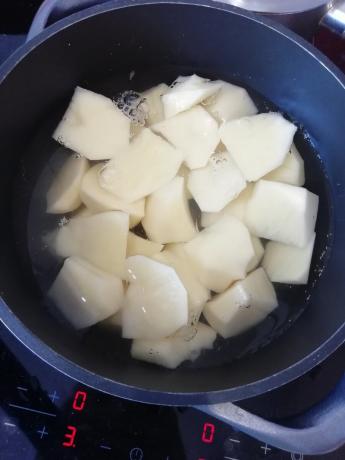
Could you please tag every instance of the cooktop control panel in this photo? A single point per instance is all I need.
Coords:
(46, 415)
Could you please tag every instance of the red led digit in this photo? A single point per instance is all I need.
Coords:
(208, 433)
(79, 400)
(70, 436)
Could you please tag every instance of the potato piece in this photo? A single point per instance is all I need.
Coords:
(155, 303)
(235, 208)
(282, 212)
(114, 321)
(291, 171)
(194, 132)
(84, 294)
(259, 252)
(288, 264)
(231, 102)
(242, 306)
(146, 165)
(97, 199)
(167, 215)
(84, 212)
(187, 92)
(139, 246)
(63, 194)
(258, 143)
(93, 126)
(184, 172)
(221, 253)
(174, 256)
(171, 352)
(218, 183)
(154, 103)
(101, 239)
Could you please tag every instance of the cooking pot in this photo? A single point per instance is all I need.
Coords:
(159, 39)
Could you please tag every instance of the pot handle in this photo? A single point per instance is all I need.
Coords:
(52, 10)
(319, 430)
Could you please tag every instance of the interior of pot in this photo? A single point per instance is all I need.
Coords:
(160, 42)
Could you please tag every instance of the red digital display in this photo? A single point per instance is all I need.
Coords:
(79, 400)
(70, 436)
(208, 433)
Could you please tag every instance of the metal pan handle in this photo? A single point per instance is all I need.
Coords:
(319, 430)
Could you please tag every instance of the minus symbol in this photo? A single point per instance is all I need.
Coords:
(230, 458)
(235, 440)
(22, 388)
(9, 424)
(105, 447)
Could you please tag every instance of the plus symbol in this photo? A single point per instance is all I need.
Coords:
(54, 397)
(42, 432)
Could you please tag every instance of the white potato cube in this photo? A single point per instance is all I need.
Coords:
(288, 264)
(101, 239)
(140, 246)
(291, 171)
(84, 294)
(259, 252)
(235, 208)
(231, 102)
(282, 212)
(155, 303)
(153, 101)
(220, 254)
(172, 351)
(184, 172)
(187, 92)
(114, 321)
(174, 256)
(167, 215)
(146, 165)
(64, 193)
(194, 132)
(93, 126)
(97, 199)
(218, 183)
(242, 306)
(258, 143)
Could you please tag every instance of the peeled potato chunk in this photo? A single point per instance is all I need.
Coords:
(139, 246)
(258, 253)
(194, 132)
(145, 166)
(174, 256)
(187, 92)
(282, 212)
(291, 171)
(97, 199)
(288, 264)
(84, 294)
(93, 126)
(184, 172)
(221, 253)
(218, 183)
(172, 351)
(153, 101)
(167, 215)
(64, 193)
(155, 303)
(258, 143)
(101, 239)
(231, 102)
(235, 208)
(242, 306)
